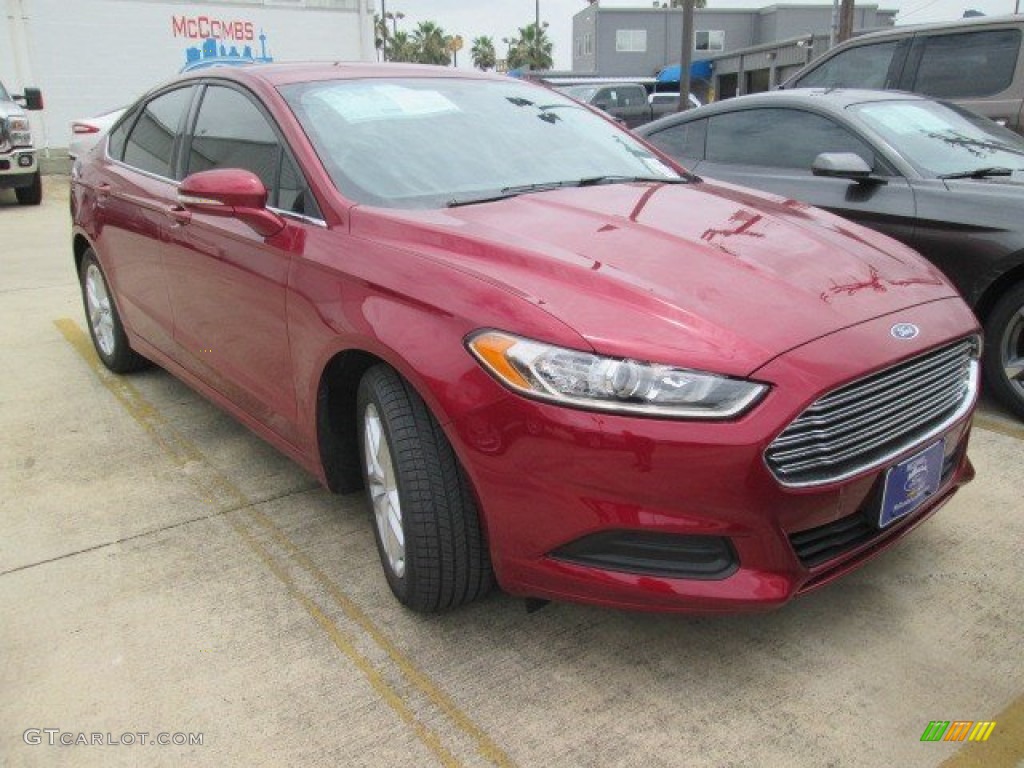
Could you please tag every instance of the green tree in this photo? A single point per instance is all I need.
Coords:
(483, 53)
(431, 44)
(531, 49)
(401, 48)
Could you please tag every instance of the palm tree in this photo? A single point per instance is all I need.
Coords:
(431, 44)
(401, 48)
(483, 53)
(531, 49)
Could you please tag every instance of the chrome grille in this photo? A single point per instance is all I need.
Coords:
(866, 423)
(5, 143)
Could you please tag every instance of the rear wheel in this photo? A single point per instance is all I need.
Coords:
(1004, 350)
(32, 194)
(108, 336)
(426, 522)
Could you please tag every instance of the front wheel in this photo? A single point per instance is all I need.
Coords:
(426, 523)
(105, 328)
(32, 194)
(1004, 350)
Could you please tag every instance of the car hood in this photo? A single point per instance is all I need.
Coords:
(705, 275)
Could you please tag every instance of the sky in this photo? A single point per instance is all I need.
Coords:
(502, 18)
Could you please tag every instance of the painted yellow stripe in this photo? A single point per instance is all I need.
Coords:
(486, 746)
(1005, 748)
(182, 450)
(344, 644)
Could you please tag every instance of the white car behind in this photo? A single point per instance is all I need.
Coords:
(87, 132)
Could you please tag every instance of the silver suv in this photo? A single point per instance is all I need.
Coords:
(975, 63)
(19, 168)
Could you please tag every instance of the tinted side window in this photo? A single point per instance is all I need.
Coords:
(231, 132)
(150, 146)
(632, 97)
(968, 64)
(866, 66)
(293, 194)
(605, 97)
(779, 138)
(684, 142)
(118, 137)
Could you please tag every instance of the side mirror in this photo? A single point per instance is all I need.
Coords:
(231, 193)
(32, 99)
(843, 165)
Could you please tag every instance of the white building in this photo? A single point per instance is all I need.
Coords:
(91, 56)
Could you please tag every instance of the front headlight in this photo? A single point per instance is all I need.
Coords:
(20, 131)
(584, 380)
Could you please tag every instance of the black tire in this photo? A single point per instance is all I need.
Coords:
(446, 560)
(33, 194)
(1004, 342)
(118, 355)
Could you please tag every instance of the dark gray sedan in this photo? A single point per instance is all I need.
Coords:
(942, 180)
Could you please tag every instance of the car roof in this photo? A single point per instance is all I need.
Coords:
(903, 30)
(300, 72)
(833, 100)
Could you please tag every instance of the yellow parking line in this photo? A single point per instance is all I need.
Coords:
(344, 644)
(1004, 749)
(182, 450)
(486, 746)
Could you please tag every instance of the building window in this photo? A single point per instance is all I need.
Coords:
(588, 44)
(631, 41)
(710, 40)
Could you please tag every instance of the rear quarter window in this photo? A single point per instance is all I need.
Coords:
(967, 64)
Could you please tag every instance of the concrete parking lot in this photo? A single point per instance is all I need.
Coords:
(164, 572)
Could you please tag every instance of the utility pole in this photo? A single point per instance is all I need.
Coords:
(686, 59)
(536, 31)
(384, 29)
(845, 21)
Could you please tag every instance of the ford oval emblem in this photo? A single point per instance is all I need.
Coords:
(904, 331)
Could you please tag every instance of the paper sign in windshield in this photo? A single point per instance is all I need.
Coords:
(385, 102)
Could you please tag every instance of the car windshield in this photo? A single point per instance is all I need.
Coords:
(581, 92)
(427, 143)
(941, 139)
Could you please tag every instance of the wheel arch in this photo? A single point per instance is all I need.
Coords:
(79, 245)
(983, 306)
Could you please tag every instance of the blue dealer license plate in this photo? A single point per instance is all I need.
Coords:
(910, 483)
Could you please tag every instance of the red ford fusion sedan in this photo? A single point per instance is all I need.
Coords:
(551, 356)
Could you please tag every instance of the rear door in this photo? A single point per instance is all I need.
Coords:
(133, 196)
(772, 149)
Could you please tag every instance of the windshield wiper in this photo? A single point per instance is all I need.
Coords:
(544, 186)
(979, 173)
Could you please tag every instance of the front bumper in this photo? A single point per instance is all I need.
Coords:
(548, 477)
(18, 168)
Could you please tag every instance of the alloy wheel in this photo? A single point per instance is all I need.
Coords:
(387, 507)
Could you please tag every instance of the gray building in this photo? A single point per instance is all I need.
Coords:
(639, 42)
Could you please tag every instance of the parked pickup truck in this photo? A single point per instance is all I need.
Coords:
(627, 102)
(19, 168)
